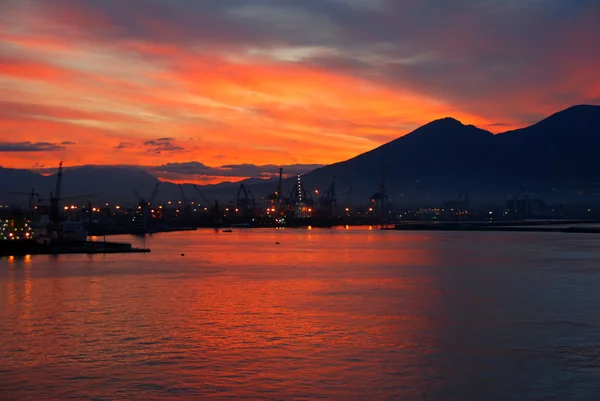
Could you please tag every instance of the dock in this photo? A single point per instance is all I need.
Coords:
(22, 248)
(564, 226)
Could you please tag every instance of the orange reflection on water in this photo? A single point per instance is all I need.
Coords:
(250, 309)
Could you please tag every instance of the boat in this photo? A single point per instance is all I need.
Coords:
(74, 231)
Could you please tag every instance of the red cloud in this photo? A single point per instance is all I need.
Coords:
(222, 87)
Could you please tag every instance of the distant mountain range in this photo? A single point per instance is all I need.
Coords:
(111, 184)
(556, 159)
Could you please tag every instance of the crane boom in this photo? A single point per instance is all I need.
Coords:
(348, 201)
(57, 191)
(25, 193)
(279, 189)
(201, 195)
(31, 195)
(154, 193)
(183, 197)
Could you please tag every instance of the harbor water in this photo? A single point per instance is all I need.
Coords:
(287, 314)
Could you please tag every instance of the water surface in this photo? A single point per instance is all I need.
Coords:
(338, 314)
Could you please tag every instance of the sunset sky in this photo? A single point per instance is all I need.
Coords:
(232, 88)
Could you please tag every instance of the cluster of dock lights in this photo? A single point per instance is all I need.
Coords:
(74, 207)
(8, 231)
(118, 207)
(269, 210)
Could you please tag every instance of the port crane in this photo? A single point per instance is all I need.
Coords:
(138, 198)
(300, 197)
(380, 199)
(245, 202)
(276, 198)
(348, 202)
(154, 192)
(32, 196)
(328, 201)
(142, 203)
(54, 227)
(187, 212)
(214, 210)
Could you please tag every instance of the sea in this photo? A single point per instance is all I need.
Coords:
(305, 314)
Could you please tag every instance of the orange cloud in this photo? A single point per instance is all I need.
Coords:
(73, 73)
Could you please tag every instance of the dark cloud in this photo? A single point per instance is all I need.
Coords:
(33, 146)
(125, 145)
(196, 171)
(189, 170)
(161, 145)
(267, 171)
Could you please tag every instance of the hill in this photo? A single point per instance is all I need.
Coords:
(553, 158)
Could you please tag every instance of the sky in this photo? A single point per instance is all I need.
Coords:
(206, 91)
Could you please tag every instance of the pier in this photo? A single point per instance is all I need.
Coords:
(22, 248)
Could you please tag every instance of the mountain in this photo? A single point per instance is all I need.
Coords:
(561, 148)
(80, 184)
(553, 159)
(435, 153)
(445, 157)
(111, 184)
(10, 177)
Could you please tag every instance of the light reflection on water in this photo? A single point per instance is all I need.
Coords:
(342, 314)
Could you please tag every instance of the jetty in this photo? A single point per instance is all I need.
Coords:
(22, 248)
(564, 226)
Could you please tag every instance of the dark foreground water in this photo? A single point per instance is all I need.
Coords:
(324, 314)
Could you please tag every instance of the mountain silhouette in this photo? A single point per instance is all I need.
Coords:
(561, 149)
(115, 185)
(552, 158)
